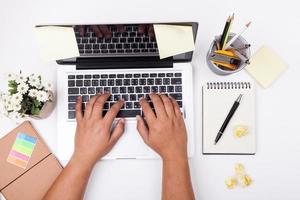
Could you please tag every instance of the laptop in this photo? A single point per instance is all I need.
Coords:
(127, 65)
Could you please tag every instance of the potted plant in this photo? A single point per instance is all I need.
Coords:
(27, 96)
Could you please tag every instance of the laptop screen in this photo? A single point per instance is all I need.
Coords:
(122, 41)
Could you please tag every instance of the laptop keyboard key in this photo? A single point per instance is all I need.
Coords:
(126, 81)
(111, 82)
(136, 105)
(71, 83)
(96, 76)
(170, 88)
(150, 81)
(71, 114)
(132, 97)
(71, 106)
(178, 74)
(178, 88)
(125, 97)
(154, 89)
(87, 82)
(117, 97)
(83, 90)
(128, 105)
(119, 82)
(146, 89)
(158, 81)
(85, 98)
(73, 91)
(99, 90)
(176, 96)
(107, 89)
(91, 90)
(130, 89)
(95, 83)
(102, 82)
(138, 89)
(176, 81)
(162, 89)
(122, 89)
(79, 76)
(134, 81)
(166, 81)
(79, 83)
(114, 90)
(71, 76)
(72, 98)
(142, 81)
(128, 113)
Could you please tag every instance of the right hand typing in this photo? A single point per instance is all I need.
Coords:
(164, 131)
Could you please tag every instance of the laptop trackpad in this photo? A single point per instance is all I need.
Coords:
(130, 145)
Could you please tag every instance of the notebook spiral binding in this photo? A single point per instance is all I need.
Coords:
(228, 85)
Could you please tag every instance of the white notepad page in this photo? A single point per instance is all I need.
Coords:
(218, 99)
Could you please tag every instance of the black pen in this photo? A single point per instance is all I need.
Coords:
(228, 118)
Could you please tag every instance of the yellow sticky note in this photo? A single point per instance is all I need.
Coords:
(173, 39)
(56, 42)
(266, 66)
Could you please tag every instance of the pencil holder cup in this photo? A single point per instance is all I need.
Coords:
(240, 45)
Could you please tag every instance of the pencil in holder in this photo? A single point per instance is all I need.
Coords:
(233, 60)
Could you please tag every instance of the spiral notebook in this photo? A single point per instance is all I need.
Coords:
(218, 98)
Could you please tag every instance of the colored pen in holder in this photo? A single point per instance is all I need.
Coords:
(230, 60)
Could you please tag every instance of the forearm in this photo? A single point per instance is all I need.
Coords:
(71, 183)
(176, 180)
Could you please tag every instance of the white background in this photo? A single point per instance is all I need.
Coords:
(275, 168)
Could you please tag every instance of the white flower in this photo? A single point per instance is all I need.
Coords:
(3, 110)
(17, 98)
(15, 116)
(20, 78)
(11, 77)
(33, 93)
(35, 81)
(8, 103)
(23, 88)
(42, 96)
(47, 86)
(17, 107)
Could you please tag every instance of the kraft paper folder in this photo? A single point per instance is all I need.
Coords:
(27, 167)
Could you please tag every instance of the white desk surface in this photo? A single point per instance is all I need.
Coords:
(275, 167)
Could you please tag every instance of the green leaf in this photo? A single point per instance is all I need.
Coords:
(13, 85)
(36, 103)
(35, 110)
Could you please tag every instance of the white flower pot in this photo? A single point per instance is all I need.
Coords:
(46, 110)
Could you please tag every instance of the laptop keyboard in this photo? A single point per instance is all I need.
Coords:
(128, 42)
(128, 86)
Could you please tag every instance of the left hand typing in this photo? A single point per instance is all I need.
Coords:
(94, 137)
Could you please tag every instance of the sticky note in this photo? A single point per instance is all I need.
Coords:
(173, 39)
(56, 42)
(266, 66)
(22, 150)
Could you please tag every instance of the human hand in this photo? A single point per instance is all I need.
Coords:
(94, 137)
(164, 131)
(103, 30)
(147, 29)
(100, 30)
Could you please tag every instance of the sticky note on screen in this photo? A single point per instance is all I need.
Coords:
(173, 39)
(22, 150)
(266, 66)
(56, 42)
